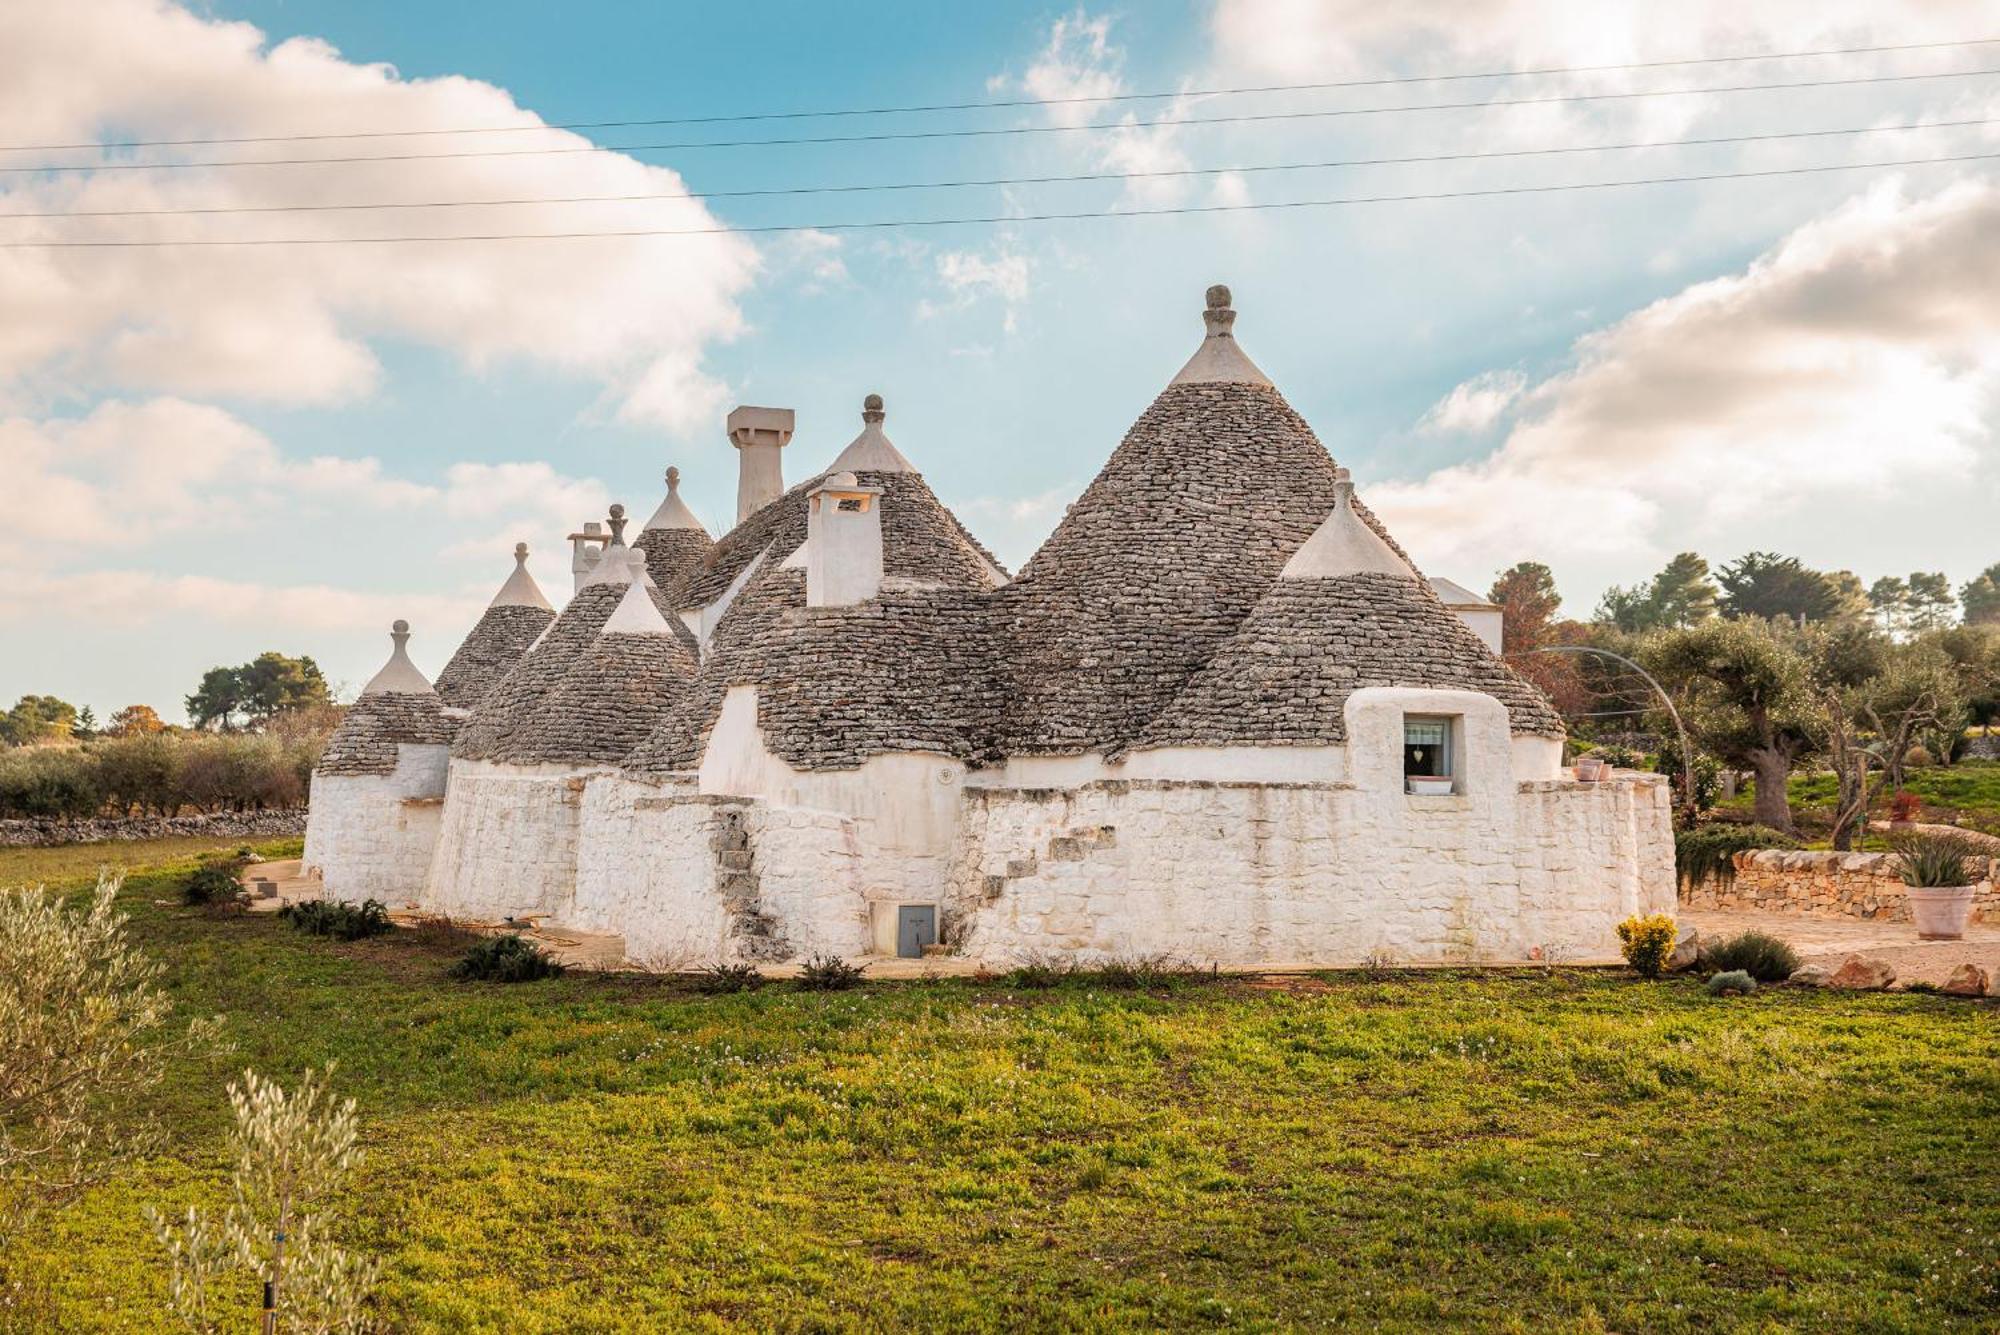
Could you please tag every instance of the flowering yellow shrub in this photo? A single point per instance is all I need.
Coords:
(1647, 942)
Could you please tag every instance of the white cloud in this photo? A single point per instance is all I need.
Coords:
(1474, 405)
(130, 598)
(127, 474)
(1080, 61)
(1853, 365)
(969, 276)
(296, 324)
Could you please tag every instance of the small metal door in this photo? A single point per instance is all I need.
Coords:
(916, 927)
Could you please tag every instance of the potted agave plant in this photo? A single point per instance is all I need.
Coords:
(1938, 870)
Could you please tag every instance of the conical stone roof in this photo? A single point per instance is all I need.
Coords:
(518, 614)
(611, 697)
(675, 543)
(395, 708)
(1186, 526)
(1347, 613)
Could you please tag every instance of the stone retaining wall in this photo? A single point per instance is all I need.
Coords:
(1828, 885)
(224, 825)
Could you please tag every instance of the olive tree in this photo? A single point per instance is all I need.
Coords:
(82, 1021)
(273, 1241)
(1745, 692)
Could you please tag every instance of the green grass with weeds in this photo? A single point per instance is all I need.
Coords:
(1549, 1151)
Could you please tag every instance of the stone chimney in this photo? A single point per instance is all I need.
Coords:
(843, 542)
(585, 548)
(758, 435)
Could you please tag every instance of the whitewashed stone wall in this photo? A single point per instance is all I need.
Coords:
(815, 880)
(648, 870)
(372, 836)
(1329, 872)
(507, 845)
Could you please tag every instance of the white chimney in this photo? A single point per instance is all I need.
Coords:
(843, 542)
(758, 435)
(584, 549)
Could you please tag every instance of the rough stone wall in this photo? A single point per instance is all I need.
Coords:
(372, 836)
(690, 878)
(500, 640)
(1308, 873)
(1829, 885)
(39, 833)
(507, 843)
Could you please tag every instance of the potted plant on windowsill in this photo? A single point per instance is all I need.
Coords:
(1937, 868)
(1429, 785)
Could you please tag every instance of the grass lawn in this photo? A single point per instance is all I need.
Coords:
(1528, 1151)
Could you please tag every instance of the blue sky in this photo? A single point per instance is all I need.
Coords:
(220, 452)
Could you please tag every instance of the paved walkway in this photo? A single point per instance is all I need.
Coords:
(1894, 943)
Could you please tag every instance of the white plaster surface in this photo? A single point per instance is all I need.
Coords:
(507, 841)
(371, 836)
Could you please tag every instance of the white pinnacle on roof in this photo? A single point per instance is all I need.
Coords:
(520, 590)
(399, 673)
(673, 511)
(1344, 545)
(612, 566)
(1220, 359)
(636, 613)
(871, 451)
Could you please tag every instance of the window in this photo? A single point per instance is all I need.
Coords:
(1427, 758)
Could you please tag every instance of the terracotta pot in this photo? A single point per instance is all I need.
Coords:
(1941, 912)
(1588, 771)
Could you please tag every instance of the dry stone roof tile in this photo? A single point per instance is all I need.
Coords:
(1284, 677)
(376, 724)
(1157, 563)
(606, 703)
(497, 643)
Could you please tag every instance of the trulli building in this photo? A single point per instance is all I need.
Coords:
(1218, 714)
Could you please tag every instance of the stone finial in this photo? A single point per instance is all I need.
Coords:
(673, 512)
(1343, 487)
(673, 480)
(399, 673)
(520, 590)
(1344, 544)
(1218, 316)
(1219, 359)
(872, 451)
(617, 525)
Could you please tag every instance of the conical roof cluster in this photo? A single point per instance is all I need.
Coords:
(396, 707)
(1217, 583)
(907, 670)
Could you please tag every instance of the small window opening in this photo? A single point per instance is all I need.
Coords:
(1427, 758)
(850, 503)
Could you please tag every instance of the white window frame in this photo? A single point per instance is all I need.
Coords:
(1449, 769)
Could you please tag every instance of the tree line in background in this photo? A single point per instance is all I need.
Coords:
(257, 732)
(1772, 666)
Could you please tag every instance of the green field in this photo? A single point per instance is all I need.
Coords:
(1532, 1151)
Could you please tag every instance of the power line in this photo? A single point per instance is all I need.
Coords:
(997, 131)
(1711, 141)
(1015, 103)
(1000, 218)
